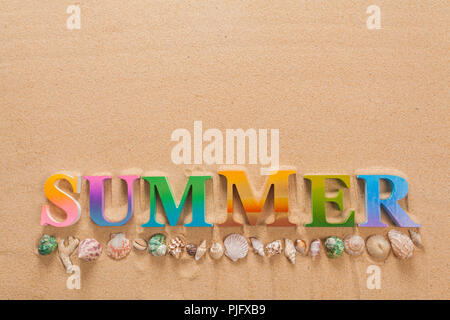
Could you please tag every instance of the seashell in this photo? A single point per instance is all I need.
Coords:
(140, 244)
(191, 249)
(176, 246)
(201, 249)
(416, 238)
(301, 247)
(334, 247)
(273, 248)
(378, 247)
(216, 251)
(258, 246)
(119, 246)
(402, 245)
(47, 244)
(314, 248)
(354, 245)
(157, 245)
(89, 249)
(289, 250)
(236, 246)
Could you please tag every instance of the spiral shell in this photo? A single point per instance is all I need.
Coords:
(201, 250)
(176, 246)
(216, 251)
(301, 247)
(314, 248)
(257, 245)
(289, 250)
(354, 245)
(236, 246)
(47, 244)
(378, 247)
(140, 244)
(157, 245)
(89, 249)
(273, 248)
(416, 238)
(118, 247)
(402, 246)
(191, 249)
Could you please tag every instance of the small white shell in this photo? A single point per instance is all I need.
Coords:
(378, 247)
(273, 248)
(416, 238)
(236, 246)
(301, 247)
(201, 249)
(140, 244)
(216, 251)
(354, 245)
(402, 246)
(314, 248)
(289, 250)
(258, 246)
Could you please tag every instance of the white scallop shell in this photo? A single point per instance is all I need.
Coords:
(258, 246)
(216, 251)
(236, 246)
(119, 246)
(378, 247)
(273, 248)
(402, 246)
(289, 250)
(301, 246)
(314, 248)
(201, 249)
(354, 245)
(416, 238)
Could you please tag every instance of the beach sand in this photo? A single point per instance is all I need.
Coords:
(106, 98)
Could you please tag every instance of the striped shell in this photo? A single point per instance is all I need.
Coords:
(140, 244)
(273, 248)
(236, 246)
(354, 245)
(301, 247)
(201, 250)
(216, 251)
(157, 245)
(402, 246)
(258, 246)
(314, 248)
(378, 247)
(89, 249)
(119, 246)
(416, 238)
(289, 250)
(176, 246)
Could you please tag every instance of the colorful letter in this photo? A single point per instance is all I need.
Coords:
(61, 200)
(252, 207)
(399, 190)
(319, 217)
(195, 184)
(97, 200)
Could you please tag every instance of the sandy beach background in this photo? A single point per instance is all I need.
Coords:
(106, 98)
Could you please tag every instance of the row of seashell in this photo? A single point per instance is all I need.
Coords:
(235, 246)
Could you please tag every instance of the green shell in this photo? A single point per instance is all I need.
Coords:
(334, 247)
(157, 245)
(47, 244)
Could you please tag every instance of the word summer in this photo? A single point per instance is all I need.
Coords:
(236, 182)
